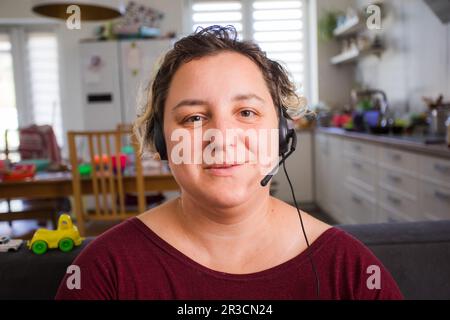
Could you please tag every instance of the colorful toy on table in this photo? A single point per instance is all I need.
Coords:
(101, 161)
(41, 164)
(85, 169)
(122, 162)
(65, 237)
(20, 172)
(9, 245)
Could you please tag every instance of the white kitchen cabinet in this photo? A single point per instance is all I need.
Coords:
(329, 176)
(358, 206)
(336, 177)
(368, 182)
(398, 205)
(300, 170)
(322, 177)
(435, 200)
(435, 189)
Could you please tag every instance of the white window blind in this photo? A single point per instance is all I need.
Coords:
(206, 13)
(276, 25)
(43, 78)
(8, 110)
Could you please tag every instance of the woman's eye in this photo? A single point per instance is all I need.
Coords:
(247, 113)
(194, 118)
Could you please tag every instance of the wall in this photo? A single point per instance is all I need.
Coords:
(19, 12)
(417, 60)
(330, 84)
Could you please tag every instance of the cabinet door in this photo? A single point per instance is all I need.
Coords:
(358, 207)
(435, 201)
(434, 188)
(321, 156)
(335, 178)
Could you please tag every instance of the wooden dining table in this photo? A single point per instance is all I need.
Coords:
(59, 184)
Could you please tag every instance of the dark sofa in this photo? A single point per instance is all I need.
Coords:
(417, 254)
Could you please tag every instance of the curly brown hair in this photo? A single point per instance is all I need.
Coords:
(206, 42)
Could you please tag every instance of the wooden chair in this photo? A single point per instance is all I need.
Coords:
(107, 183)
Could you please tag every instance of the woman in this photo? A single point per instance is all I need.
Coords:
(225, 237)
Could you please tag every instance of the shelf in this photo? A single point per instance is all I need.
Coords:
(354, 54)
(350, 27)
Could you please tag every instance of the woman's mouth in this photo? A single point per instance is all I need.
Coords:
(223, 170)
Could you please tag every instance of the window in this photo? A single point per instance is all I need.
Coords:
(276, 25)
(29, 82)
(8, 110)
(42, 62)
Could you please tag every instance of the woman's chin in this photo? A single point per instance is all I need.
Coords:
(226, 198)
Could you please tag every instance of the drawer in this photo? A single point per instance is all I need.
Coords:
(359, 207)
(401, 160)
(361, 172)
(435, 201)
(399, 204)
(360, 149)
(387, 215)
(399, 182)
(435, 170)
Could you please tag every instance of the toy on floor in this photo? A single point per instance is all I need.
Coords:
(9, 245)
(65, 237)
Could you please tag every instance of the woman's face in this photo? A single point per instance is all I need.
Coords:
(222, 92)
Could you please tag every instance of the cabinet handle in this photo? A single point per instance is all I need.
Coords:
(357, 165)
(394, 178)
(356, 199)
(394, 200)
(441, 168)
(442, 196)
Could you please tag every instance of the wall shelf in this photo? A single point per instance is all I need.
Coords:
(350, 27)
(353, 55)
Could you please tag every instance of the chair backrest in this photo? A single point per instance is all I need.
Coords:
(107, 181)
(39, 142)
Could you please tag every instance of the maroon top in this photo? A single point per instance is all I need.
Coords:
(130, 261)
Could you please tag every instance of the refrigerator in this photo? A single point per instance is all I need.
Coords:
(114, 76)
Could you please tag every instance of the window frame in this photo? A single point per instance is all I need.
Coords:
(18, 35)
(247, 31)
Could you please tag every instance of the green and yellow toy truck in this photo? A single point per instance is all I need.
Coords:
(65, 237)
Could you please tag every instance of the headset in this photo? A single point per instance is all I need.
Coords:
(287, 144)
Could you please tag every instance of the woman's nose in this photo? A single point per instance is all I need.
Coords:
(221, 132)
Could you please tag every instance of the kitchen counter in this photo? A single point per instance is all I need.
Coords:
(401, 142)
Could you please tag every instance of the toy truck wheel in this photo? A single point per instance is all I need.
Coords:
(39, 247)
(66, 245)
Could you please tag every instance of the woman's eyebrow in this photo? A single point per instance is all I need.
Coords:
(190, 102)
(199, 102)
(247, 96)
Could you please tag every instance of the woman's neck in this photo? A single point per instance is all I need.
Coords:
(241, 230)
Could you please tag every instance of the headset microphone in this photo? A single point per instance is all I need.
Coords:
(290, 136)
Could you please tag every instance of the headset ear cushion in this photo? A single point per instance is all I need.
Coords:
(283, 134)
(158, 138)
